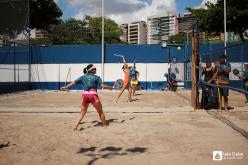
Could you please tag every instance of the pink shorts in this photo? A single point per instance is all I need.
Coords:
(89, 97)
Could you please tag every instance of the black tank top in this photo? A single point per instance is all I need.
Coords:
(208, 74)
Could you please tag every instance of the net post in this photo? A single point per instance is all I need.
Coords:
(195, 72)
(169, 69)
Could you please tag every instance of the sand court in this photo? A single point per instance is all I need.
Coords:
(160, 127)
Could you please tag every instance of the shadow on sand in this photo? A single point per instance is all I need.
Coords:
(99, 124)
(109, 152)
(6, 145)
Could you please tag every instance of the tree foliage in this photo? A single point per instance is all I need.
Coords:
(112, 31)
(212, 18)
(44, 13)
(14, 16)
(179, 38)
(74, 31)
(71, 31)
(39, 41)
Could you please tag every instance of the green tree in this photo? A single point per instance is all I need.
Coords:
(74, 31)
(71, 31)
(212, 19)
(44, 13)
(41, 41)
(112, 31)
(14, 16)
(179, 38)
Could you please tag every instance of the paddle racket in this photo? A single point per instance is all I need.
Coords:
(235, 71)
(118, 84)
(122, 56)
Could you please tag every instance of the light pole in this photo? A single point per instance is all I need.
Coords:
(225, 35)
(102, 75)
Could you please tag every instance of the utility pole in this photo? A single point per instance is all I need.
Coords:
(169, 69)
(103, 50)
(225, 34)
(195, 70)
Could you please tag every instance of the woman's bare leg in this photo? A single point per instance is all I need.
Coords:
(120, 93)
(82, 114)
(134, 89)
(130, 94)
(98, 107)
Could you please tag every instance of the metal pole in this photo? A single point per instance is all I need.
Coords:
(29, 49)
(225, 34)
(14, 62)
(193, 78)
(187, 38)
(102, 41)
(59, 77)
(169, 69)
(186, 54)
(184, 63)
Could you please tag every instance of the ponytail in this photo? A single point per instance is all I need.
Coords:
(85, 70)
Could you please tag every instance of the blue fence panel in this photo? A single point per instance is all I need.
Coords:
(66, 54)
(139, 53)
(93, 53)
(12, 55)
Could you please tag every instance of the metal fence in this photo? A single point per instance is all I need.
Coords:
(15, 52)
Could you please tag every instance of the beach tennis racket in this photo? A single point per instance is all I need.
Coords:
(122, 56)
(61, 89)
(118, 84)
(235, 71)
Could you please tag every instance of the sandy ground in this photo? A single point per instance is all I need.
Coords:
(158, 128)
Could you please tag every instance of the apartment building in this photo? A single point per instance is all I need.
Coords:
(185, 23)
(160, 28)
(137, 32)
(124, 36)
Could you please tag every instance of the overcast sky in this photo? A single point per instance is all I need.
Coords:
(125, 11)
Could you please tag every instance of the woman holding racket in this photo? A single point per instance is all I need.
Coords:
(89, 82)
(126, 84)
(134, 74)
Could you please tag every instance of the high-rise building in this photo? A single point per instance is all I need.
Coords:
(124, 36)
(160, 28)
(40, 33)
(137, 33)
(185, 23)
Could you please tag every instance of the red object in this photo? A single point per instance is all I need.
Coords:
(92, 98)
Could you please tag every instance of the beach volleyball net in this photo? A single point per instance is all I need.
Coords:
(236, 59)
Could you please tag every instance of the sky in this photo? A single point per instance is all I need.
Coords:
(125, 11)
